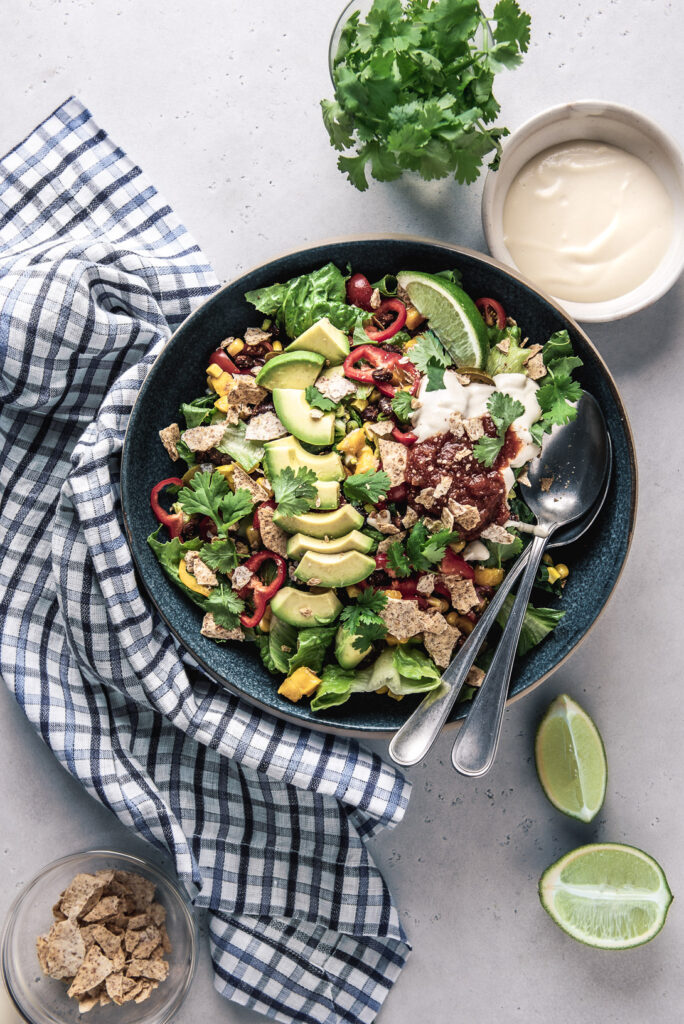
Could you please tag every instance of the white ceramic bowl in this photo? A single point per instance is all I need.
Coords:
(617, 126)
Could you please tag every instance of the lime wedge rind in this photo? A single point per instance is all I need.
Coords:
(607, 912)
(571, 760)
(452, 314)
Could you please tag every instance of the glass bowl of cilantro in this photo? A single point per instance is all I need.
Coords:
(413, 87)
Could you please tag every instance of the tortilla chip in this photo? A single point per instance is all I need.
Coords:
(394, 457)
(265, 427)
(94, 969)
(462, 592)
(65, 949)
(274, 539)
(497, 534)
(81, 895)
(149, 939)
(109, 943)
(466, 516)
(169, 437)
(107, 907)
(157, 970)
(440, 645)
(242, 479)
(212, 630)
(201, 439)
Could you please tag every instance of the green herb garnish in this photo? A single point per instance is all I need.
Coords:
(225, 606)
(208, 494)
(503, 410)
(369, 487)
(362, 619)
(317, 400)
(401, 405)
(220, 556)
(295, 493)
(427, 350)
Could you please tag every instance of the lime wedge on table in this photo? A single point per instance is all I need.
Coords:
(571, 761)
(606, 895)
(453, 316)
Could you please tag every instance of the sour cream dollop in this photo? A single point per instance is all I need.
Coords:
(470, 400)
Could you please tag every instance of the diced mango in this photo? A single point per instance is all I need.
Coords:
(366, 460)
(302, 683)
(353, 442)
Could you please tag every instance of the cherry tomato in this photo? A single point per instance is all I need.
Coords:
(359, 291)
(493, 313)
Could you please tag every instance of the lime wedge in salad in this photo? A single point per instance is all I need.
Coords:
(570, 758)
(606, 895)
(453, 316)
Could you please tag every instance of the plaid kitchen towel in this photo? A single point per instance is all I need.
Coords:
(266, 822)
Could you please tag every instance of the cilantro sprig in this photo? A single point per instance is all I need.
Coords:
(558, 393)
(503, 410)
(317, 400)
(225, 606)
(294, 493)
(413, 88)
(208, 494)
(422, 553)
(221, 556)
(369, 487)
(401, 405)
(362, 619)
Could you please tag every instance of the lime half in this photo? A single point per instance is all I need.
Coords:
(453, 316)
(606, 895)
(571, 761)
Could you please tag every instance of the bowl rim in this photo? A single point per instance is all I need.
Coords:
(586, 312)
(373, 734)
(135, 861)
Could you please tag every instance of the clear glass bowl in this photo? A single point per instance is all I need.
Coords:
(43, 1000)
(363, 7)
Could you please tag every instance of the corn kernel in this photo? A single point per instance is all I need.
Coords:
(252, 537)
(353, 442)
(393, 595)
(223, 384)
(353, 591)
(439, 603)
(413, 318)
(226, 472)
(488, 577)
(457, 546)
(277, 346)
(395, 696)
(553, 574)
(213, 370)
(547, 560)
(265, 623)
(302, 683)
(562, 570)
(366, 460)
(236, 346)
(391, 641)
(381, 690)
(263, 482)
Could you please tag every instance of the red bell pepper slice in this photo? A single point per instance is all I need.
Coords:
(379, 359)
(404, 438)
(173, 521)
(493, 313)
(385, 333)
(261, 592)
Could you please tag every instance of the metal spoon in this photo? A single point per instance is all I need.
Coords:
(413, 740)
(564, 484)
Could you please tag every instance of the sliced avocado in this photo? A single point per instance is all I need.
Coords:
(328, 492)
(300, 609)
(287, 451)
(298, 545)
(334, 570)
(295, 414)
(345, 652)
(321, 524)
(290, 370)
(323, 337)
(282, 642)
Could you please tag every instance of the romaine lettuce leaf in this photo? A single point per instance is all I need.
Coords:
(301, 301)
(512, 361)
(247, 454)
(170, 554)
(312, 645)
(537, 624)
(198, 411)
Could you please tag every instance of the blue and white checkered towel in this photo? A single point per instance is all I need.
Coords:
(266, 822)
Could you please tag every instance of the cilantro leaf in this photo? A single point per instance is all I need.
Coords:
(317, 400)
(220, 556)
(503, 410)
(371, 486)
(397, 560)
(487, 449)
(401, 405)
(368, 633)
(435, 549)
(554, 397)
(236, 506)
(428, 349)
(203, 495)
(294, 493)
(362, 620)
(225, 606)
(435, 376)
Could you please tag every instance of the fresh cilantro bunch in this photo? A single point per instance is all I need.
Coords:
(294, 493)
(413, 87)
(208, 494)
(362, 619)
(503, 410)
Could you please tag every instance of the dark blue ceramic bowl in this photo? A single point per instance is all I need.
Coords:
(179, 374)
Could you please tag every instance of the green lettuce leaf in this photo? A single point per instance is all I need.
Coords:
(247, 454)
(301, 301)
(537, 624)
(512, 361)
(312, 645)
(198, 411)
(170, 555)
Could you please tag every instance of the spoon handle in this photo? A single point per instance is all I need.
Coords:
(475, 747)
(412, 741)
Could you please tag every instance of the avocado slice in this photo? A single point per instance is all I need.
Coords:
(301, 609)
(298, 545)
(321, 524)
(295, 414)
(323, 337)
(334, 570)
(287, 451)
(345, 652)
(328, 492)
(290, 370)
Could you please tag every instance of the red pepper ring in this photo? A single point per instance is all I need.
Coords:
(385, 333)
(493, 313)
(261, 592)
(173, 521)
(379, 359)
(404, 438)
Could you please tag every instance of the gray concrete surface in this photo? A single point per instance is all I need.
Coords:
(218, 101)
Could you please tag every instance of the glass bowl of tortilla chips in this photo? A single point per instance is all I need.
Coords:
(103, 933)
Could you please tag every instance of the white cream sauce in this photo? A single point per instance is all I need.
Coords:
(587, 221)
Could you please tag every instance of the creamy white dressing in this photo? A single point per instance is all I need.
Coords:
(587, 221)
(476, 551)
